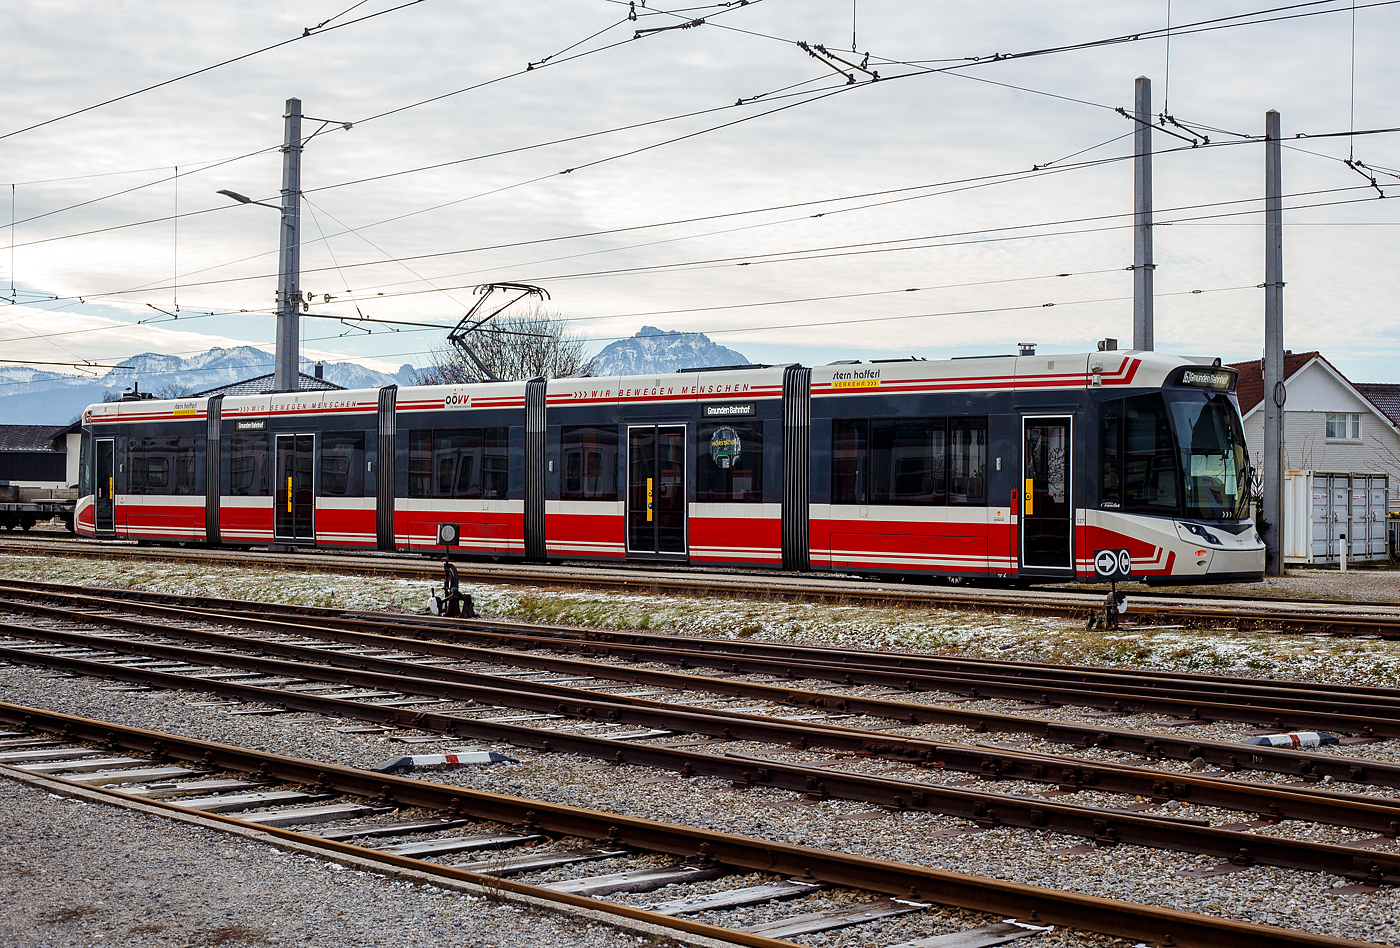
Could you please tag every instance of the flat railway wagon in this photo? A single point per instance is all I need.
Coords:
(1011, 468)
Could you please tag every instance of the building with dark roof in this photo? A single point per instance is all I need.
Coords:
(267, 384)
(34, 455)
(1329, 423)
(1384, 395)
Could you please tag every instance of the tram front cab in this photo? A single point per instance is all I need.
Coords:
(1173, 485)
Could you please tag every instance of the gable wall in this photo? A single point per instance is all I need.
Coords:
(1312, 393)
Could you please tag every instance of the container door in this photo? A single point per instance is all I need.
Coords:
(1359, 529)
(1337, 488)
(104, 486)
(1378, 508)
(1321, 518)
(296, 466)
(1047, 514)
(656, 490)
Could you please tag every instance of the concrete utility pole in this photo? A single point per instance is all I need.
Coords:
(1142, 216)
(288, 375)
(1274, 391)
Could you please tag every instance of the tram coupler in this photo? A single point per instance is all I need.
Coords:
(1106, 617)
(450, 601)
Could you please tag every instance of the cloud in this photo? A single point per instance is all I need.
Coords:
(891, 134)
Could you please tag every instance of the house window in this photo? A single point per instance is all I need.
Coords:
(1343, 426)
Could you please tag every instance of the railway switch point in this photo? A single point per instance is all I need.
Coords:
(1115, 604)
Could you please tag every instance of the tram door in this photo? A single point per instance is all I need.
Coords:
(1047, 514)
(103, 488)
(295, 513)
(656, 490)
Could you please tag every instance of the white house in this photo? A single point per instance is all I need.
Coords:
(1329, 425)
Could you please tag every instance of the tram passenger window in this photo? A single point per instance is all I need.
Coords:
(729, 463)
(466, 474)
(1110, 488)
(967, 461)
(907, 459)
(184, 482)
(150, 473)
(1150, 478)
(461, 463)
(420, 463)
(590, 462)
(456, 463)
(495, 463)
(342, 464)
(849, 441)
(161, 465)
(248, 464)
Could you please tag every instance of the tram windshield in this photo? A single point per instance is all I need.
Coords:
(85, 465)
(1214, 462)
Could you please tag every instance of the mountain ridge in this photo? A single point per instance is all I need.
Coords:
(654, 351)
(36, 396)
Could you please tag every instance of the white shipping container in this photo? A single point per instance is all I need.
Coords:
(1324, 509)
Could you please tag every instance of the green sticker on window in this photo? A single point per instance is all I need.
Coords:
(725, 447)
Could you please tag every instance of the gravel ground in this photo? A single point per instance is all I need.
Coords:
(1354, 660)
(1369, 584)
(1262, 894)
(1272, 896)
(74, 873)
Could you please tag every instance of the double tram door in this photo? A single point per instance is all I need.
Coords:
(1047, 508)
(295, 513)
(656, 490)
(103, 488)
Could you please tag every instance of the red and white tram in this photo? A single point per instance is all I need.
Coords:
(1015, 468)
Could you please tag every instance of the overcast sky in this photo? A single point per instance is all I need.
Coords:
(980, 237)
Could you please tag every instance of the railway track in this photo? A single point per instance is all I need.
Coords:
(1335, 618)
(1362, 711)
(500, 844)
(402, 691)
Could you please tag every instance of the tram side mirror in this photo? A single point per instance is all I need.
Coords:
(448, 534)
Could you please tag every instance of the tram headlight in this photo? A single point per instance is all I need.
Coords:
(1195, 529)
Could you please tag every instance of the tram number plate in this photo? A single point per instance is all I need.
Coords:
(1113, 564)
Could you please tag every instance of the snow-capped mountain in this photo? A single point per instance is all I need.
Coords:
(30, 396)
(652, 351)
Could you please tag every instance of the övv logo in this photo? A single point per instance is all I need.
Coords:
(1113, 564)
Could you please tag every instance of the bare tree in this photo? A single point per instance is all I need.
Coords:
(169, 390)
(532, 344)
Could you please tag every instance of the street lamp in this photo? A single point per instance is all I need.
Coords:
(244, 199)
(286, 361)
(287, 375)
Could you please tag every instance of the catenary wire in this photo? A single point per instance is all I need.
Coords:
(202, 70)
(823, 323)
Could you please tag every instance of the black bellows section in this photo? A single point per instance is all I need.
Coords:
(797, 464)
(534, 469)
(384, 479)
(213, 455)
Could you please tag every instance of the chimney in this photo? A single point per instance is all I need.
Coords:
(320, 369)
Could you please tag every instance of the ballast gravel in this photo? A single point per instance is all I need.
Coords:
(1263, 894)
(75, 873)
